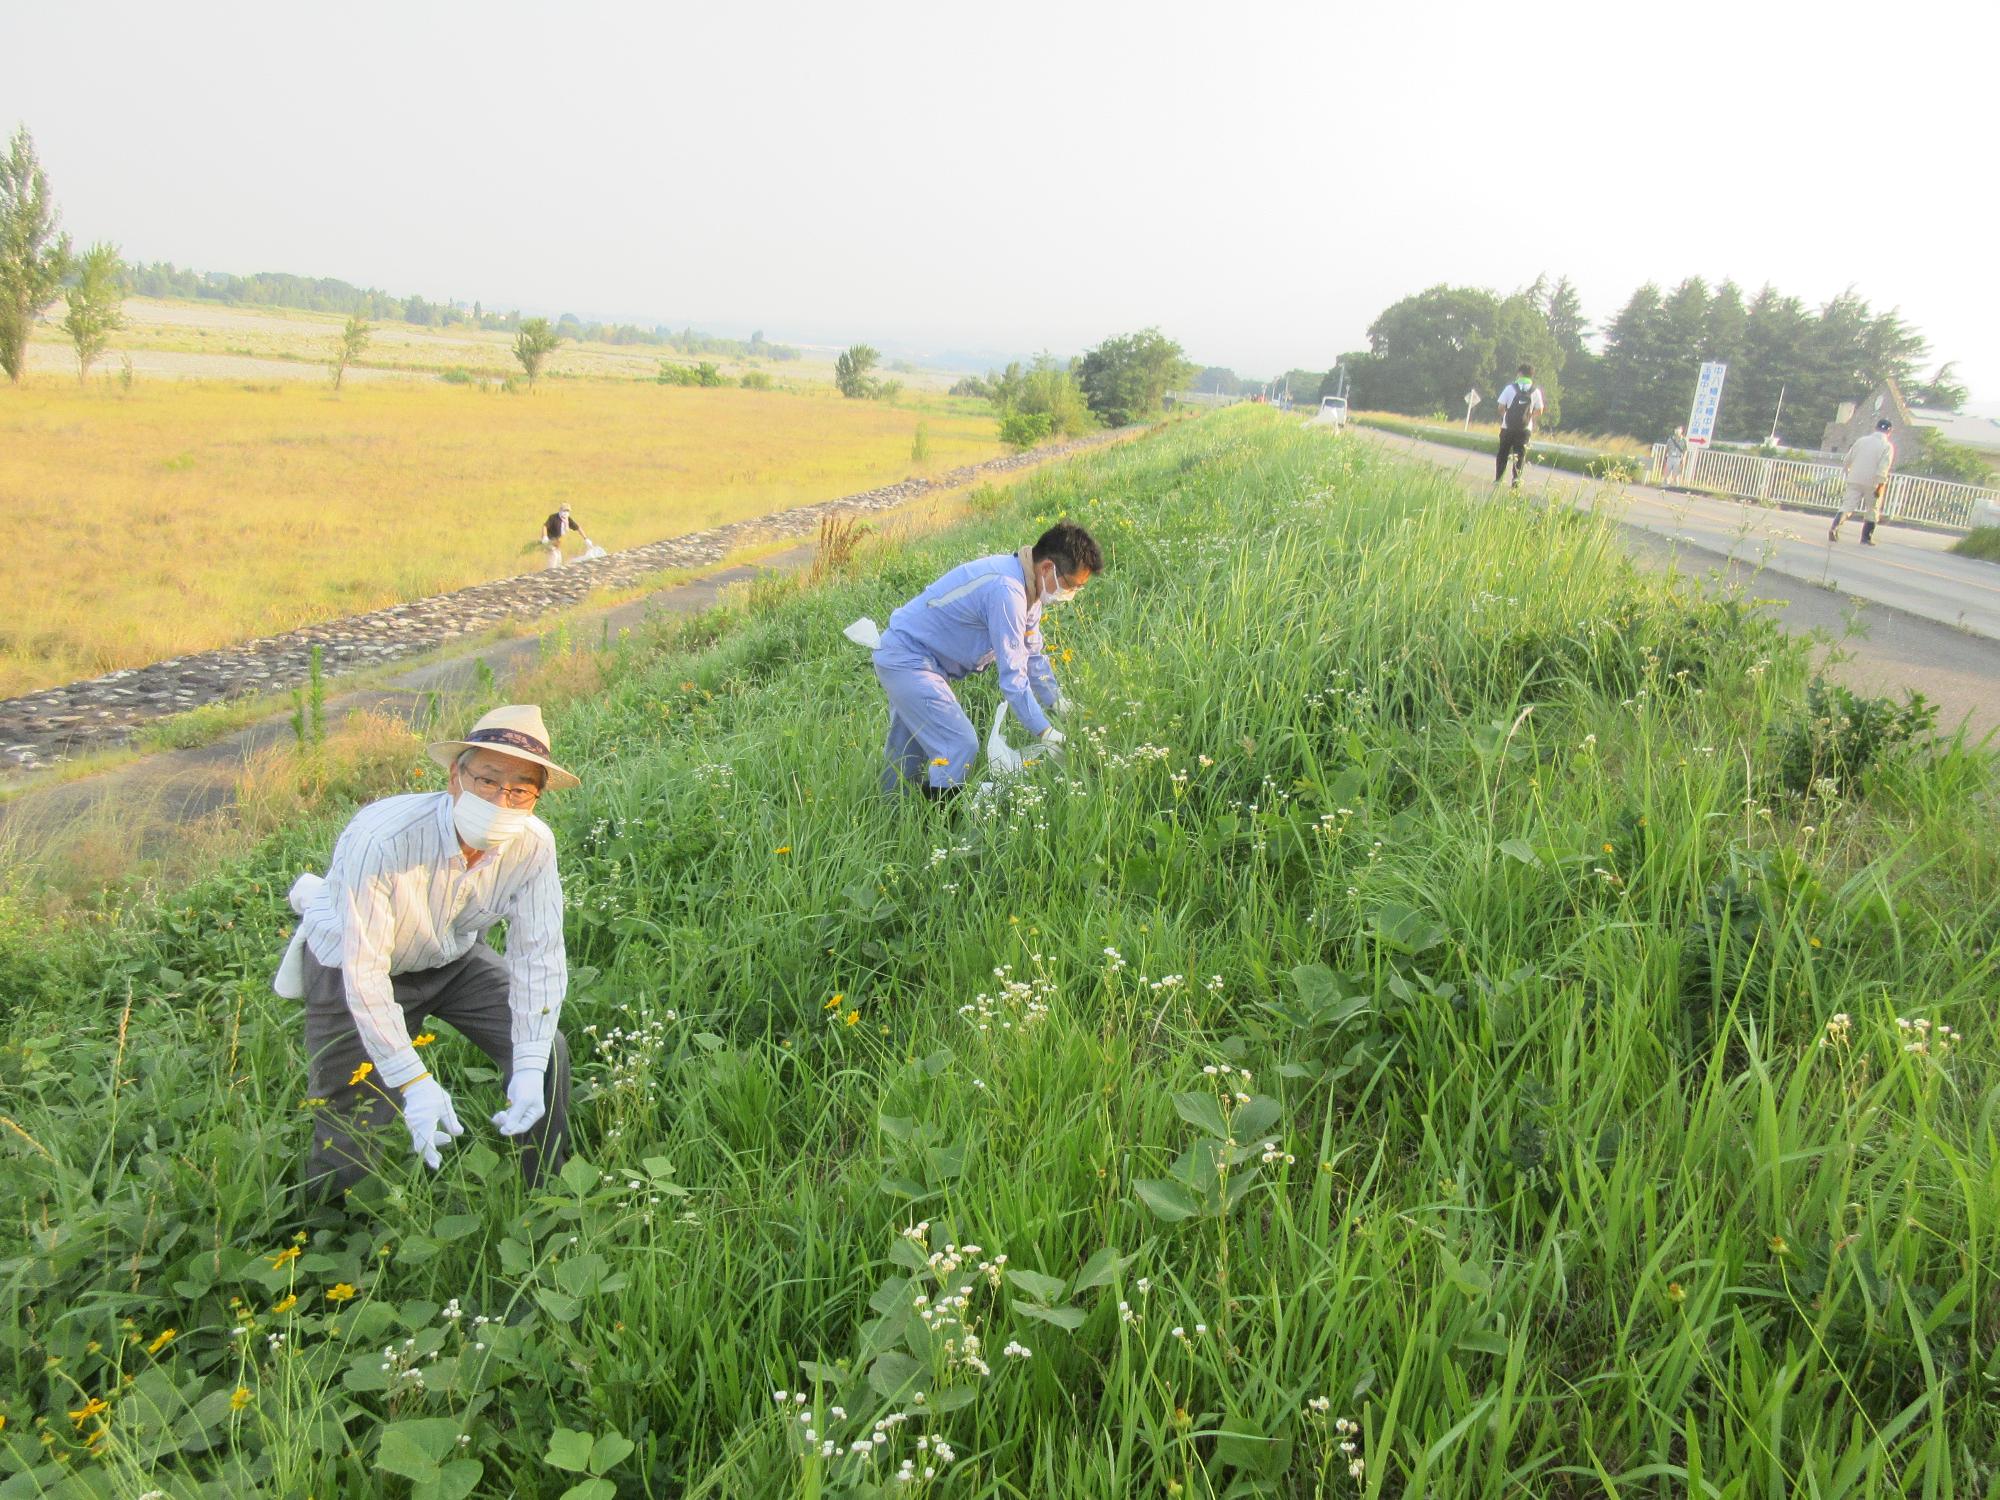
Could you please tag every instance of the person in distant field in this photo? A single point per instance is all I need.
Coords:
(559, 525)
(1520, 403)
(1677, 453)
(1868, 464)
(394, 936)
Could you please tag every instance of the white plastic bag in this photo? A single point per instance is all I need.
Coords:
(864, 632)
(1003, 757)
(593, 550)
(289, 983)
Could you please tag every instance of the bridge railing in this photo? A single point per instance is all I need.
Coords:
(1822, 487)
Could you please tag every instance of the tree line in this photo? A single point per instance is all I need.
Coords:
(1790, 364)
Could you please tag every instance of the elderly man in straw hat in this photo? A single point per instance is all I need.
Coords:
(390, 939)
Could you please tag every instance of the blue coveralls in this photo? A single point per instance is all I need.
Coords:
(977, 614)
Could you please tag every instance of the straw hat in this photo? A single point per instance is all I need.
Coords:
(514, 730)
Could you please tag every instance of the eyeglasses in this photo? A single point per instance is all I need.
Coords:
(505, 794)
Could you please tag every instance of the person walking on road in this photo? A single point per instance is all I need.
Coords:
(559, 525)
(1868, 464)
(1520, 403)
(1677, 452)
(983, 613)
(393, 938)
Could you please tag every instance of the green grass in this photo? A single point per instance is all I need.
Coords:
(1981, 542)
(1516, 890)
(1556, 453)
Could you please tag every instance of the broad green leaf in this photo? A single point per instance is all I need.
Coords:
(1102, 1268)
(1522, 850)
(1035, 1284)
(579, 1176)
(936, 1063)
(896, 1128)
(414, 1448)
(591, 1489)
(1484, 1343)
(894, 1375)
(823, 1374)
(454, 1481)
(945, 1162)
(1253, 1121)
(1203, 1111)
(1169, 1200)
(906, 1254)
(1405, 929)
(951, 1398)
(558, 1305)
(610, 1450)
(901, 1187)
(1062, 1317)
(454, 1227)
(708, 1041)
(569, 1449)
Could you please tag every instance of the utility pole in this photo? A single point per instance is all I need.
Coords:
(1773, 439)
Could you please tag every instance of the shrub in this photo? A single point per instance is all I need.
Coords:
(673, 374)
(459, 375)
(1840, 736)
(1023, 429)
(756, 380)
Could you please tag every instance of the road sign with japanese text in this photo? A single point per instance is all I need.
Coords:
(1707, 402)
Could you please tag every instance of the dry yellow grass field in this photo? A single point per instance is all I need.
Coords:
(184, 515)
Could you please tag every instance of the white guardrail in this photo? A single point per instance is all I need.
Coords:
(1822, 487)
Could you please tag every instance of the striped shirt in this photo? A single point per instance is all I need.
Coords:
(399, 899)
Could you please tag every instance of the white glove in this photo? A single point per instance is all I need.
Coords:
(1052, 740)
(1062, 705)
(433, 1122)
(524, 1102)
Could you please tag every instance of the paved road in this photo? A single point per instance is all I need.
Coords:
(1907, 569)
(1903, 614)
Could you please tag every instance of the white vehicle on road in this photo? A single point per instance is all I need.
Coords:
(1333, 411)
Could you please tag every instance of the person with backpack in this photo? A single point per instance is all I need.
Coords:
(1520, 402)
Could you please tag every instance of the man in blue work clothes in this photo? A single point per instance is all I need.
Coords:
(981, 613)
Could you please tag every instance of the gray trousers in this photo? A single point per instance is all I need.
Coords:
(360, 1123)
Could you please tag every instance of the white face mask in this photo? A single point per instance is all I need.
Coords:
(487, 825)
(1054, 593)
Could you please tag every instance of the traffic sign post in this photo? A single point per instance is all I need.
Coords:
(1472, 399)
(1701, 418)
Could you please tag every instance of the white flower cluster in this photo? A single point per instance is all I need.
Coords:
(1927, 1038)
(1838, 1030)
(1346, 1436)
(1017, 1003)
(1137, 757)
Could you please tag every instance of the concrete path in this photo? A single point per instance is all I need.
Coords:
(1903, 614)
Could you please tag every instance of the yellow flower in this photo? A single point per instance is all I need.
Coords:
(423, 1038)
(782, 849)
(341, 1291)
(285, 1257)
(1607, 848)
(239, 1398)
(1067, 654)
(852, 1017)
(298, 1236)
(360, 1073)
(940, 760)
(834, 1003)
(89, 1409)
(1813, 941)
(164, 1338)
(285, 1303)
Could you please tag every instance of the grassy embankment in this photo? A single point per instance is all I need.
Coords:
(182, 515)
(1599, 456)
(1457, 986)
(1982, 542)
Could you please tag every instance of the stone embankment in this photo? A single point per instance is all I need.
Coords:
(39, 729)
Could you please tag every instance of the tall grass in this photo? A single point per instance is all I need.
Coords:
(185, 516)
(1418, 1016)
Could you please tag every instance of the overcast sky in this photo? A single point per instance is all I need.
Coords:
(1259, 181)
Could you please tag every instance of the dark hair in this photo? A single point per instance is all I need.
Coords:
(1072, 549)
(1528, 370)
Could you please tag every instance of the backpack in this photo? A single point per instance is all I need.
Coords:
(1520, 412)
